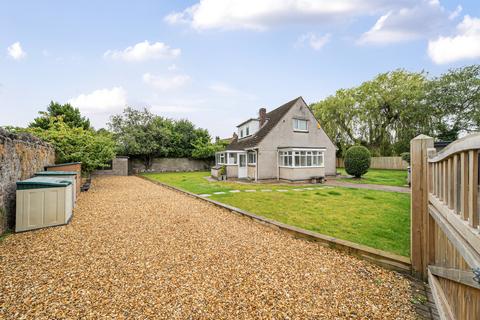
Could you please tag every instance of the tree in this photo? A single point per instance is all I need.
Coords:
(383, 114)
(70, 116)
(455, 99)
(74, 144)
(141, 134)
(205, 149)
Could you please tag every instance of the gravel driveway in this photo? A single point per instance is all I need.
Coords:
(137, 250)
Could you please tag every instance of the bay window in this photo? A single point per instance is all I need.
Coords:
(301, 158)
(232, 158)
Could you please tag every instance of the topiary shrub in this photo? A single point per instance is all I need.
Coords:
(406, 157)
(357, 161)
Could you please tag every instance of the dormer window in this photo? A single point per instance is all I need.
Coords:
(300, 125)
(241, 133)
(247, 131)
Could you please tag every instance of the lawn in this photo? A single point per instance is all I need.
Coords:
(373, 218)
(379, 176)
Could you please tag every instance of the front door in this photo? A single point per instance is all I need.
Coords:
(242, 165)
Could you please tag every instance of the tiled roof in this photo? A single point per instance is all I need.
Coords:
(273, 117)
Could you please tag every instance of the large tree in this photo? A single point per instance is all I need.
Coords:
(140, 134)
(93, 149)
(382, 114)
(69, 115)
(455, 98)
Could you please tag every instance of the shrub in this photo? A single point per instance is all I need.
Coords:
(406, 157)
(357, 161)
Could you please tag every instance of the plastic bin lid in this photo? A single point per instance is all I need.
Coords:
(56, 173)
(62, 164)
(42, 182)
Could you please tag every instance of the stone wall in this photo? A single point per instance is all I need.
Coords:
(172, 164)
(20, 157)
(119, 167)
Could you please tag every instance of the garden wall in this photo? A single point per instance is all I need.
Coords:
(382, 163)
(20, 157)
(172, 164)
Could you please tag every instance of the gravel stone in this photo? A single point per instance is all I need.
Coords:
(137, 250)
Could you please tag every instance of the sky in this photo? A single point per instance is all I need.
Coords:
(216, 62)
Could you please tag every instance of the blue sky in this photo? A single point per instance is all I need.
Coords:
(216, 62)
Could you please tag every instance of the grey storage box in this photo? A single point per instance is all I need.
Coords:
(43, 202)
(65, 175)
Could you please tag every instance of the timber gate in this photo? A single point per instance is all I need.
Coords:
(445, 246)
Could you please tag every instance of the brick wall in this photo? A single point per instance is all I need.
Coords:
(20, 157)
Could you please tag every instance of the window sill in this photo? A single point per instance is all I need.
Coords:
(301, 167)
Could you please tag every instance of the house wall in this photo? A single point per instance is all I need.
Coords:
(20, 157)
(251, 171)
(232, 171)
(294, 174)
(253, 126)
(283, 135)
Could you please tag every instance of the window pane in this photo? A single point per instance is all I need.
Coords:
(309, 159)
(232, 158)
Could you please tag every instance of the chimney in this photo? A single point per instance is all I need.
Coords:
(262, 116)
(234, 136)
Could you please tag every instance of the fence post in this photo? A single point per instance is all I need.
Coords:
(419, 149)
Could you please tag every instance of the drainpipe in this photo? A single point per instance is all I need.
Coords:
(256, 165)
(278, 167)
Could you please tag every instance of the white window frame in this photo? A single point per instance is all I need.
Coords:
(254, 154)
(229, 157)
(221, 158)
(296, 126)
(247, 131)
(301, 158)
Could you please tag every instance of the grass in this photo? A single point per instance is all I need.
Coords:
(195, 182)
(373, 218)
(5, 234)
(379, 176)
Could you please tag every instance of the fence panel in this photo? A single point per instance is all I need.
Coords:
(395, 163)
(445, 223)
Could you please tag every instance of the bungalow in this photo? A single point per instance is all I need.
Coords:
(287, 143)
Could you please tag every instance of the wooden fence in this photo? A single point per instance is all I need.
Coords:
(381, 163)
(445, 223)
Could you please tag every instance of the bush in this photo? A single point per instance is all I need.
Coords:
(357, 161)
(406, 157)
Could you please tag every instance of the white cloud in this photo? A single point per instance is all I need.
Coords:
(166, 83)
(101, 101)
(409, 23)
(261, 14)
(16, 52)
(314, 41)
(143, 51)
(464, 45)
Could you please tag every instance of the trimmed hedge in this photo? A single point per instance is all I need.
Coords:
(357, 161)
